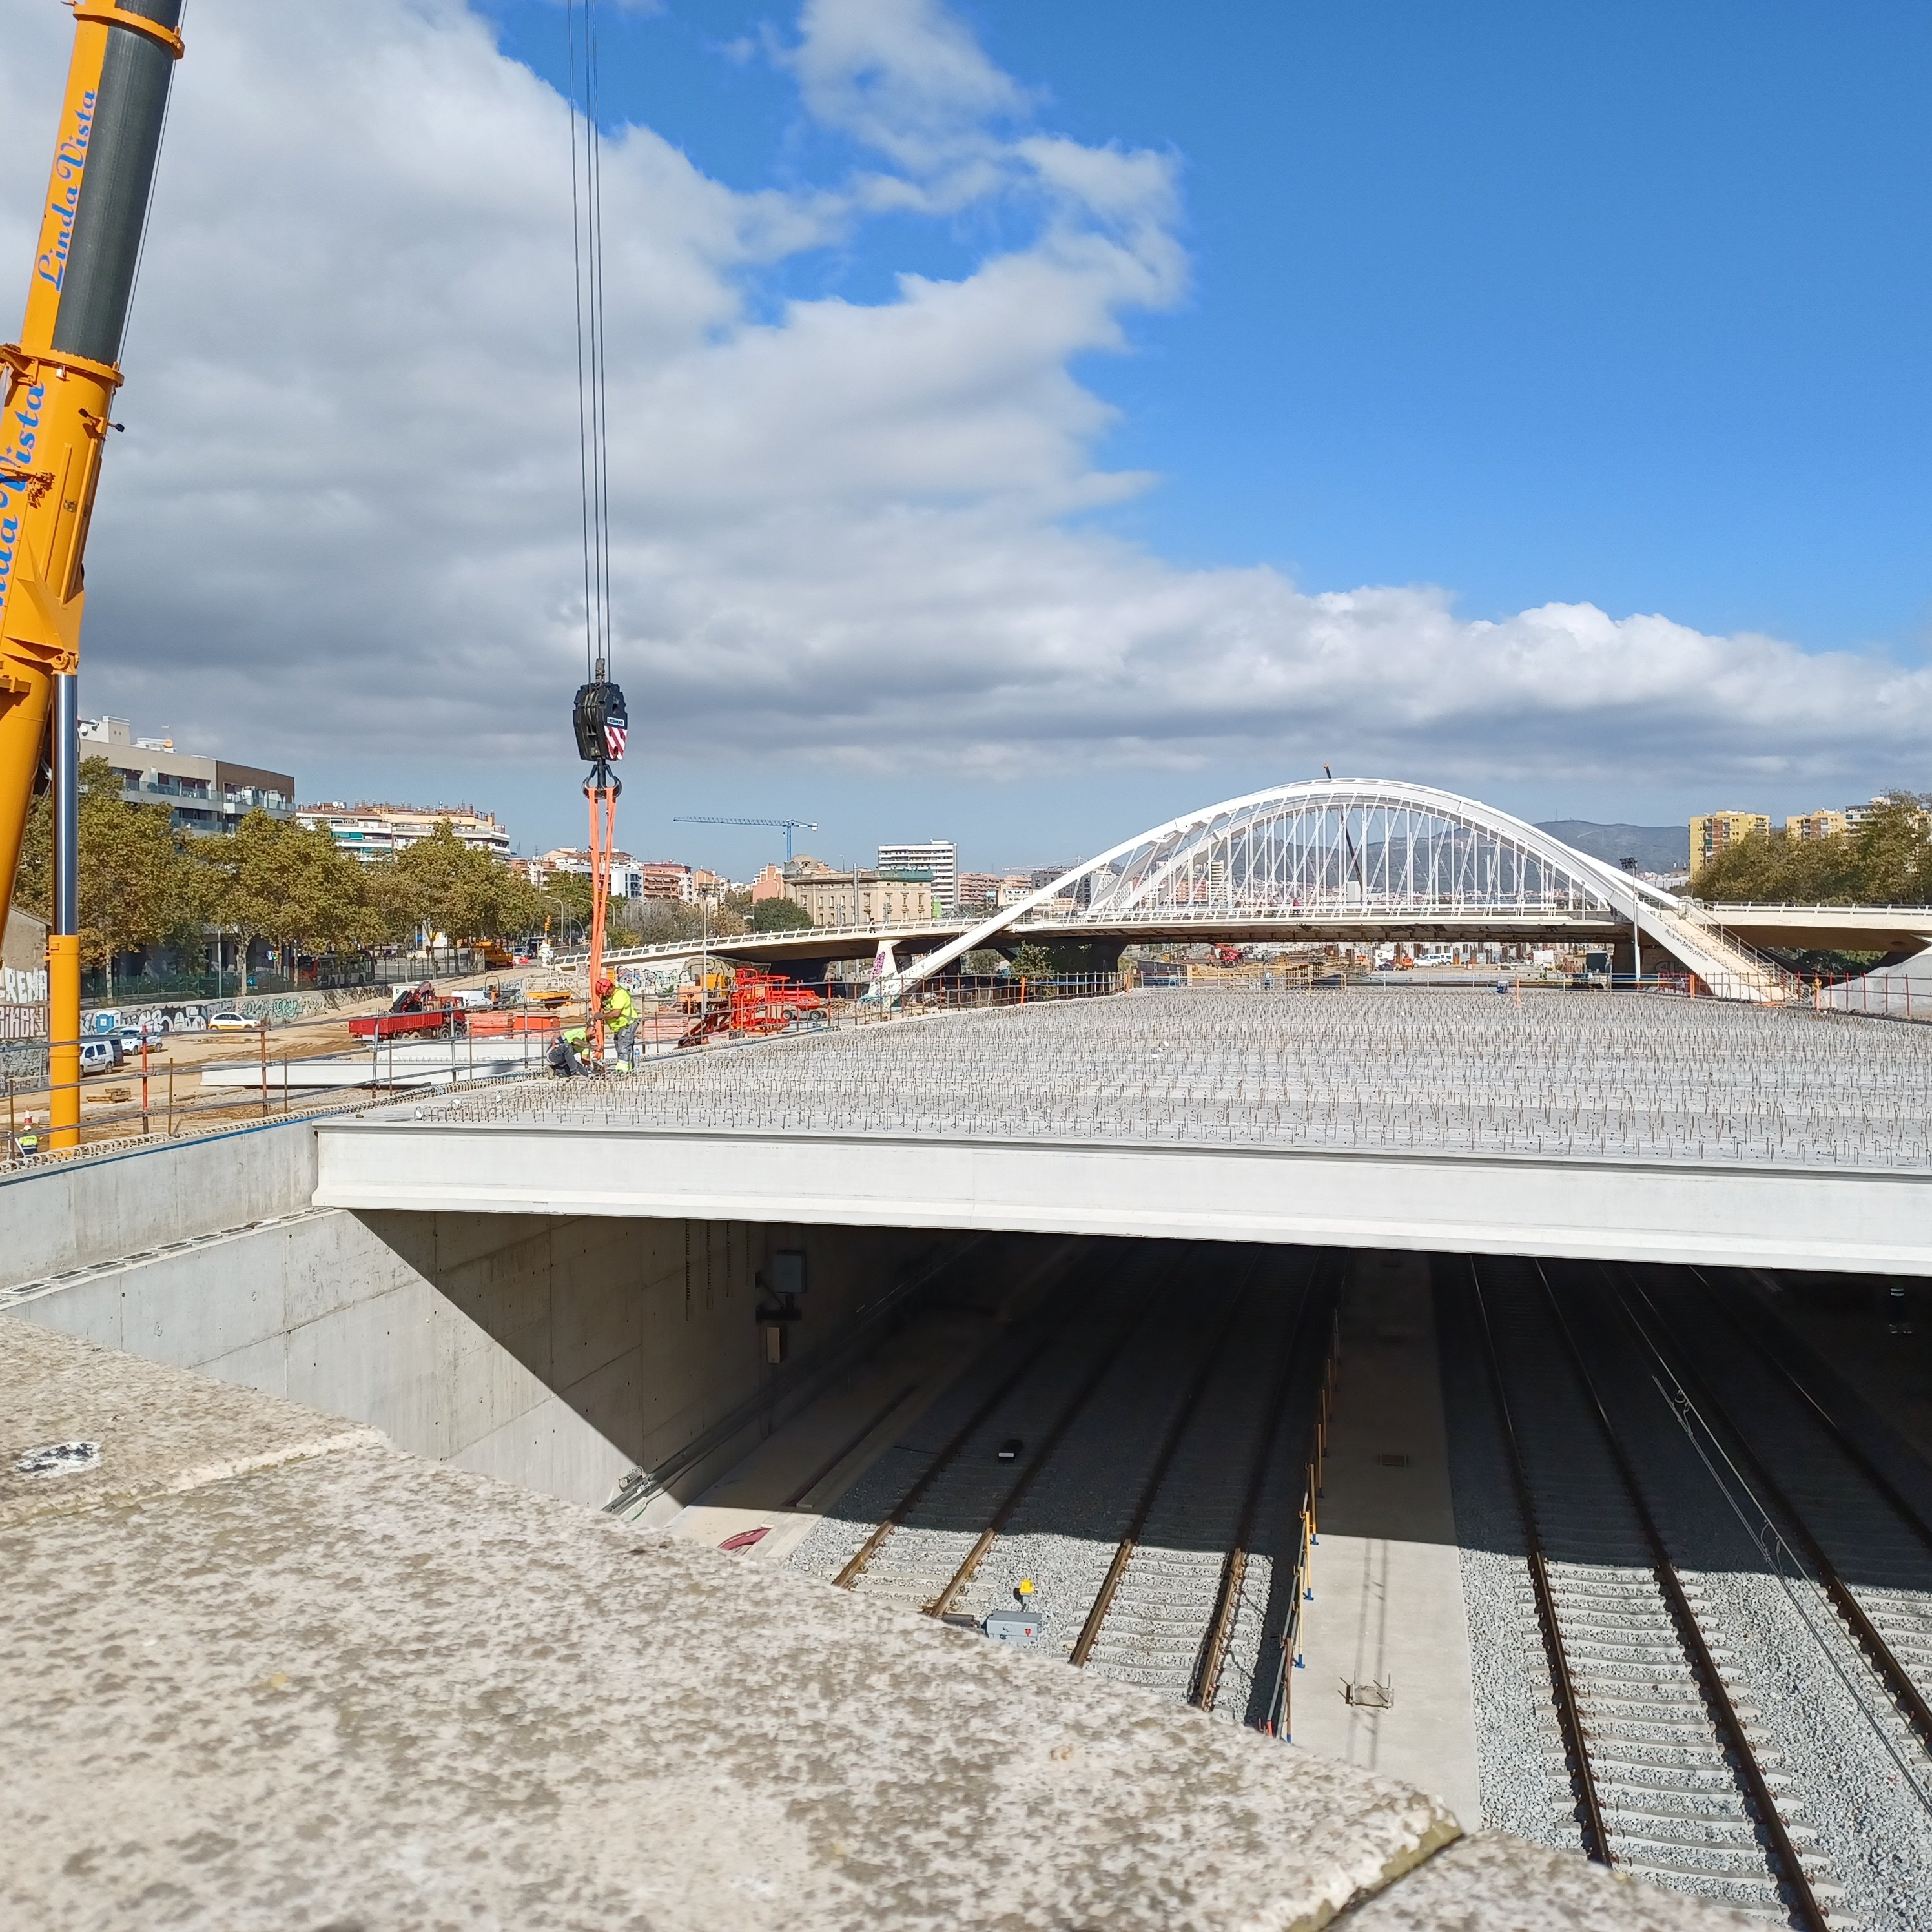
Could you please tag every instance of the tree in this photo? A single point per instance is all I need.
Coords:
(1885, 860)
(1031, 961)
(440, 885)
(779, 915)
(138, 883)
(274, 880)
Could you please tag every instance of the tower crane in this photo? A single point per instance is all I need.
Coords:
(791, 826)
(55, 415)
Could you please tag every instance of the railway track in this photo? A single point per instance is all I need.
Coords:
(1672, 1780)
(1186, 1575)
(1150, 1423)
(1841, 1517)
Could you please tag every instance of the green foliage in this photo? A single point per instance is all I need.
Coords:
(271, 879)
(142, 883)
(1032, 962)
(986, 962)
(139, 881)
(659, 922)
(779, 915)
(440, 885)
(1886, 861)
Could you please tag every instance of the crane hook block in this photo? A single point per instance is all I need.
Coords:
(602, 723)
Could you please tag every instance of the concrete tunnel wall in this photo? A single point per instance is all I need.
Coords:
(560, 1353)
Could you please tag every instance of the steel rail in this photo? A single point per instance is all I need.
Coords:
(1677, 1362)
(1207, 1683)
(1710, 1681)
(1103, 1601)
(950, 1452)
(942, 1604)
(1907, 1511)
(1569, 1712)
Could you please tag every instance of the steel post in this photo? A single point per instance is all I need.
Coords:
(63, 936)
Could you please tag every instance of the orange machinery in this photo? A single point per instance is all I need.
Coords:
(758, 1003)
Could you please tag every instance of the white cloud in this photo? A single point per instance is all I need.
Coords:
(344, 517)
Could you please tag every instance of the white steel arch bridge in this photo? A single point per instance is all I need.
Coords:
(1357, 859)
(1356, 851)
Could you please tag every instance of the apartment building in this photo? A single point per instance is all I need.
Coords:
(373, 832)
(1717, 832)
(938, 859)
(1807, 826)
(627, 874)
(203, 794)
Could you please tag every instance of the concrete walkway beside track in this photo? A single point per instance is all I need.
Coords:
(1387, 1617)
(265, 1670)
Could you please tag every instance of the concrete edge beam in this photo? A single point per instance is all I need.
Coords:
(1835, 1219)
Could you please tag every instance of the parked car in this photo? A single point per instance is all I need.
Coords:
(230, 1022)
(99, 1056)
(131, 1038)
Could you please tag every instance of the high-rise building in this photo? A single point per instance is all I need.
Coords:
(1716, 831)
(938, 857)
(202, 793)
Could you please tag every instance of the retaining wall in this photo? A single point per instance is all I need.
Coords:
(569, 1354)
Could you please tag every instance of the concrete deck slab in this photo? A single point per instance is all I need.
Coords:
(364, 1690)
(1388, 1593)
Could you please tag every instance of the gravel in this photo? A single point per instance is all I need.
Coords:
(1229, 1310)
(1807, 1700)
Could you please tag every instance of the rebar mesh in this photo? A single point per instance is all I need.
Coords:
(1555, 1073)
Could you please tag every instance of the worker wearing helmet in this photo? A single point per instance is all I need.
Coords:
(620, 1017)
(27, 1142)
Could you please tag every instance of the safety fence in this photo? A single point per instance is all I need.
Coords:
(1279, 1719)
(283, 1070)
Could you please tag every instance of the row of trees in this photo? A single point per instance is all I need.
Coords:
(144, 884)
(1886, 859)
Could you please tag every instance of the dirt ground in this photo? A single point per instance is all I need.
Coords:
(115, 1106)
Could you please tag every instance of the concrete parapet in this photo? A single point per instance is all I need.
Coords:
(102, 1208)
(264, 1670)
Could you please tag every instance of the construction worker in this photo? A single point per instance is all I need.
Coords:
(27, 1142)
(620, 1019)
(566, 1055)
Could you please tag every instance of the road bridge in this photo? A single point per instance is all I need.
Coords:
(1360, 861)
(1646, 1128)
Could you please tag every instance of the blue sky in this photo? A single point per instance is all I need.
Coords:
(1452, 314)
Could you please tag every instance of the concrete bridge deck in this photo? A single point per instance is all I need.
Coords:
(1648, 1129)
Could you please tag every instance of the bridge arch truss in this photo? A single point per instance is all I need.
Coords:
(1362, 849)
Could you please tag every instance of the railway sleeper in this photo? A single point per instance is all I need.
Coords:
(1665, 1770)
(1697, 1832)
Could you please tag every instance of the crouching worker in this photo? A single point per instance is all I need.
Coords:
(567, 1053)
(620, 1019)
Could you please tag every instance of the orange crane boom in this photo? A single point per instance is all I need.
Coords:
(59, 383)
